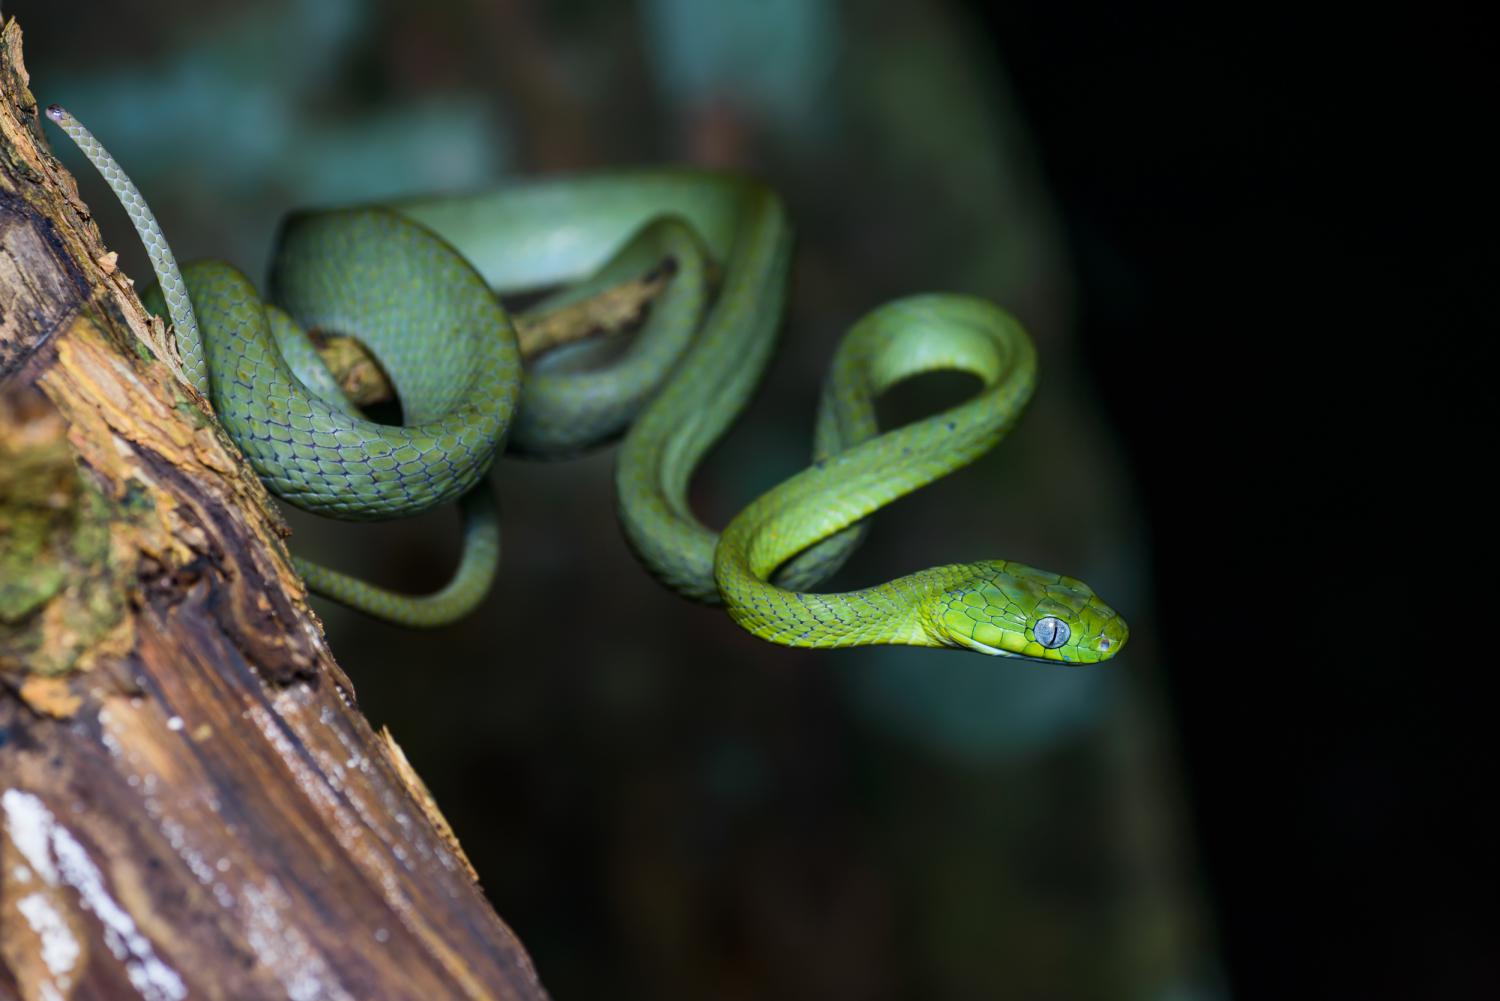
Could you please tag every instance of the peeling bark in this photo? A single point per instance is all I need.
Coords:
(192, 803)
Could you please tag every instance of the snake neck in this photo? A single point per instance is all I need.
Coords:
(771, 531)
(888, 613)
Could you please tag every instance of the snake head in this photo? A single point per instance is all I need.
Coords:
(1008, 609)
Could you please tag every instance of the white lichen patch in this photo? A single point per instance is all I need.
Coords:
(303, 972)
(60, 860)
(60, 950)
(169, 812)
(29, 822)
(313, 785)
(128, 760)
(177, 837)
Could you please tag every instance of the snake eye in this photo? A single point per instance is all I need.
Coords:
(1051, 632)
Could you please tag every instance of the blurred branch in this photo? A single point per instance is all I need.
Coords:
(192, 804)
(613, 311)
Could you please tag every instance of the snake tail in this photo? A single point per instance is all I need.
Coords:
(426, 314)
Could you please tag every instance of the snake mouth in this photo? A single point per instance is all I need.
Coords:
(968, 642)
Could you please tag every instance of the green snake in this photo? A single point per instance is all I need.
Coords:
(418, 282)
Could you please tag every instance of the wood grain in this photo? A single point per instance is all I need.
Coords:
(192, 804)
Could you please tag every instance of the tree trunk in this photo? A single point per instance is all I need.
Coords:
(192, 803)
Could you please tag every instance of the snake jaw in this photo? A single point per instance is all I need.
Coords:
(970, 643)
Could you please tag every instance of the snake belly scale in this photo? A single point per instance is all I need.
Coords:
(417, 281)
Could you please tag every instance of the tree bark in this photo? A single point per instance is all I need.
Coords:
(192, 803)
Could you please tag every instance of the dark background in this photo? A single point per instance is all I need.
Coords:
(1276, 215)
(1246, 241)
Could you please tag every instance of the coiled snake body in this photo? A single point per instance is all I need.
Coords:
(417, 282)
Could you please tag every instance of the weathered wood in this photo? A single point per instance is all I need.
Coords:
(192, 803)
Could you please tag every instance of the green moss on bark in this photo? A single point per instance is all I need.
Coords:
(59, 588)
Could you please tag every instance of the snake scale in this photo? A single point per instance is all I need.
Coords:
(418, 282)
